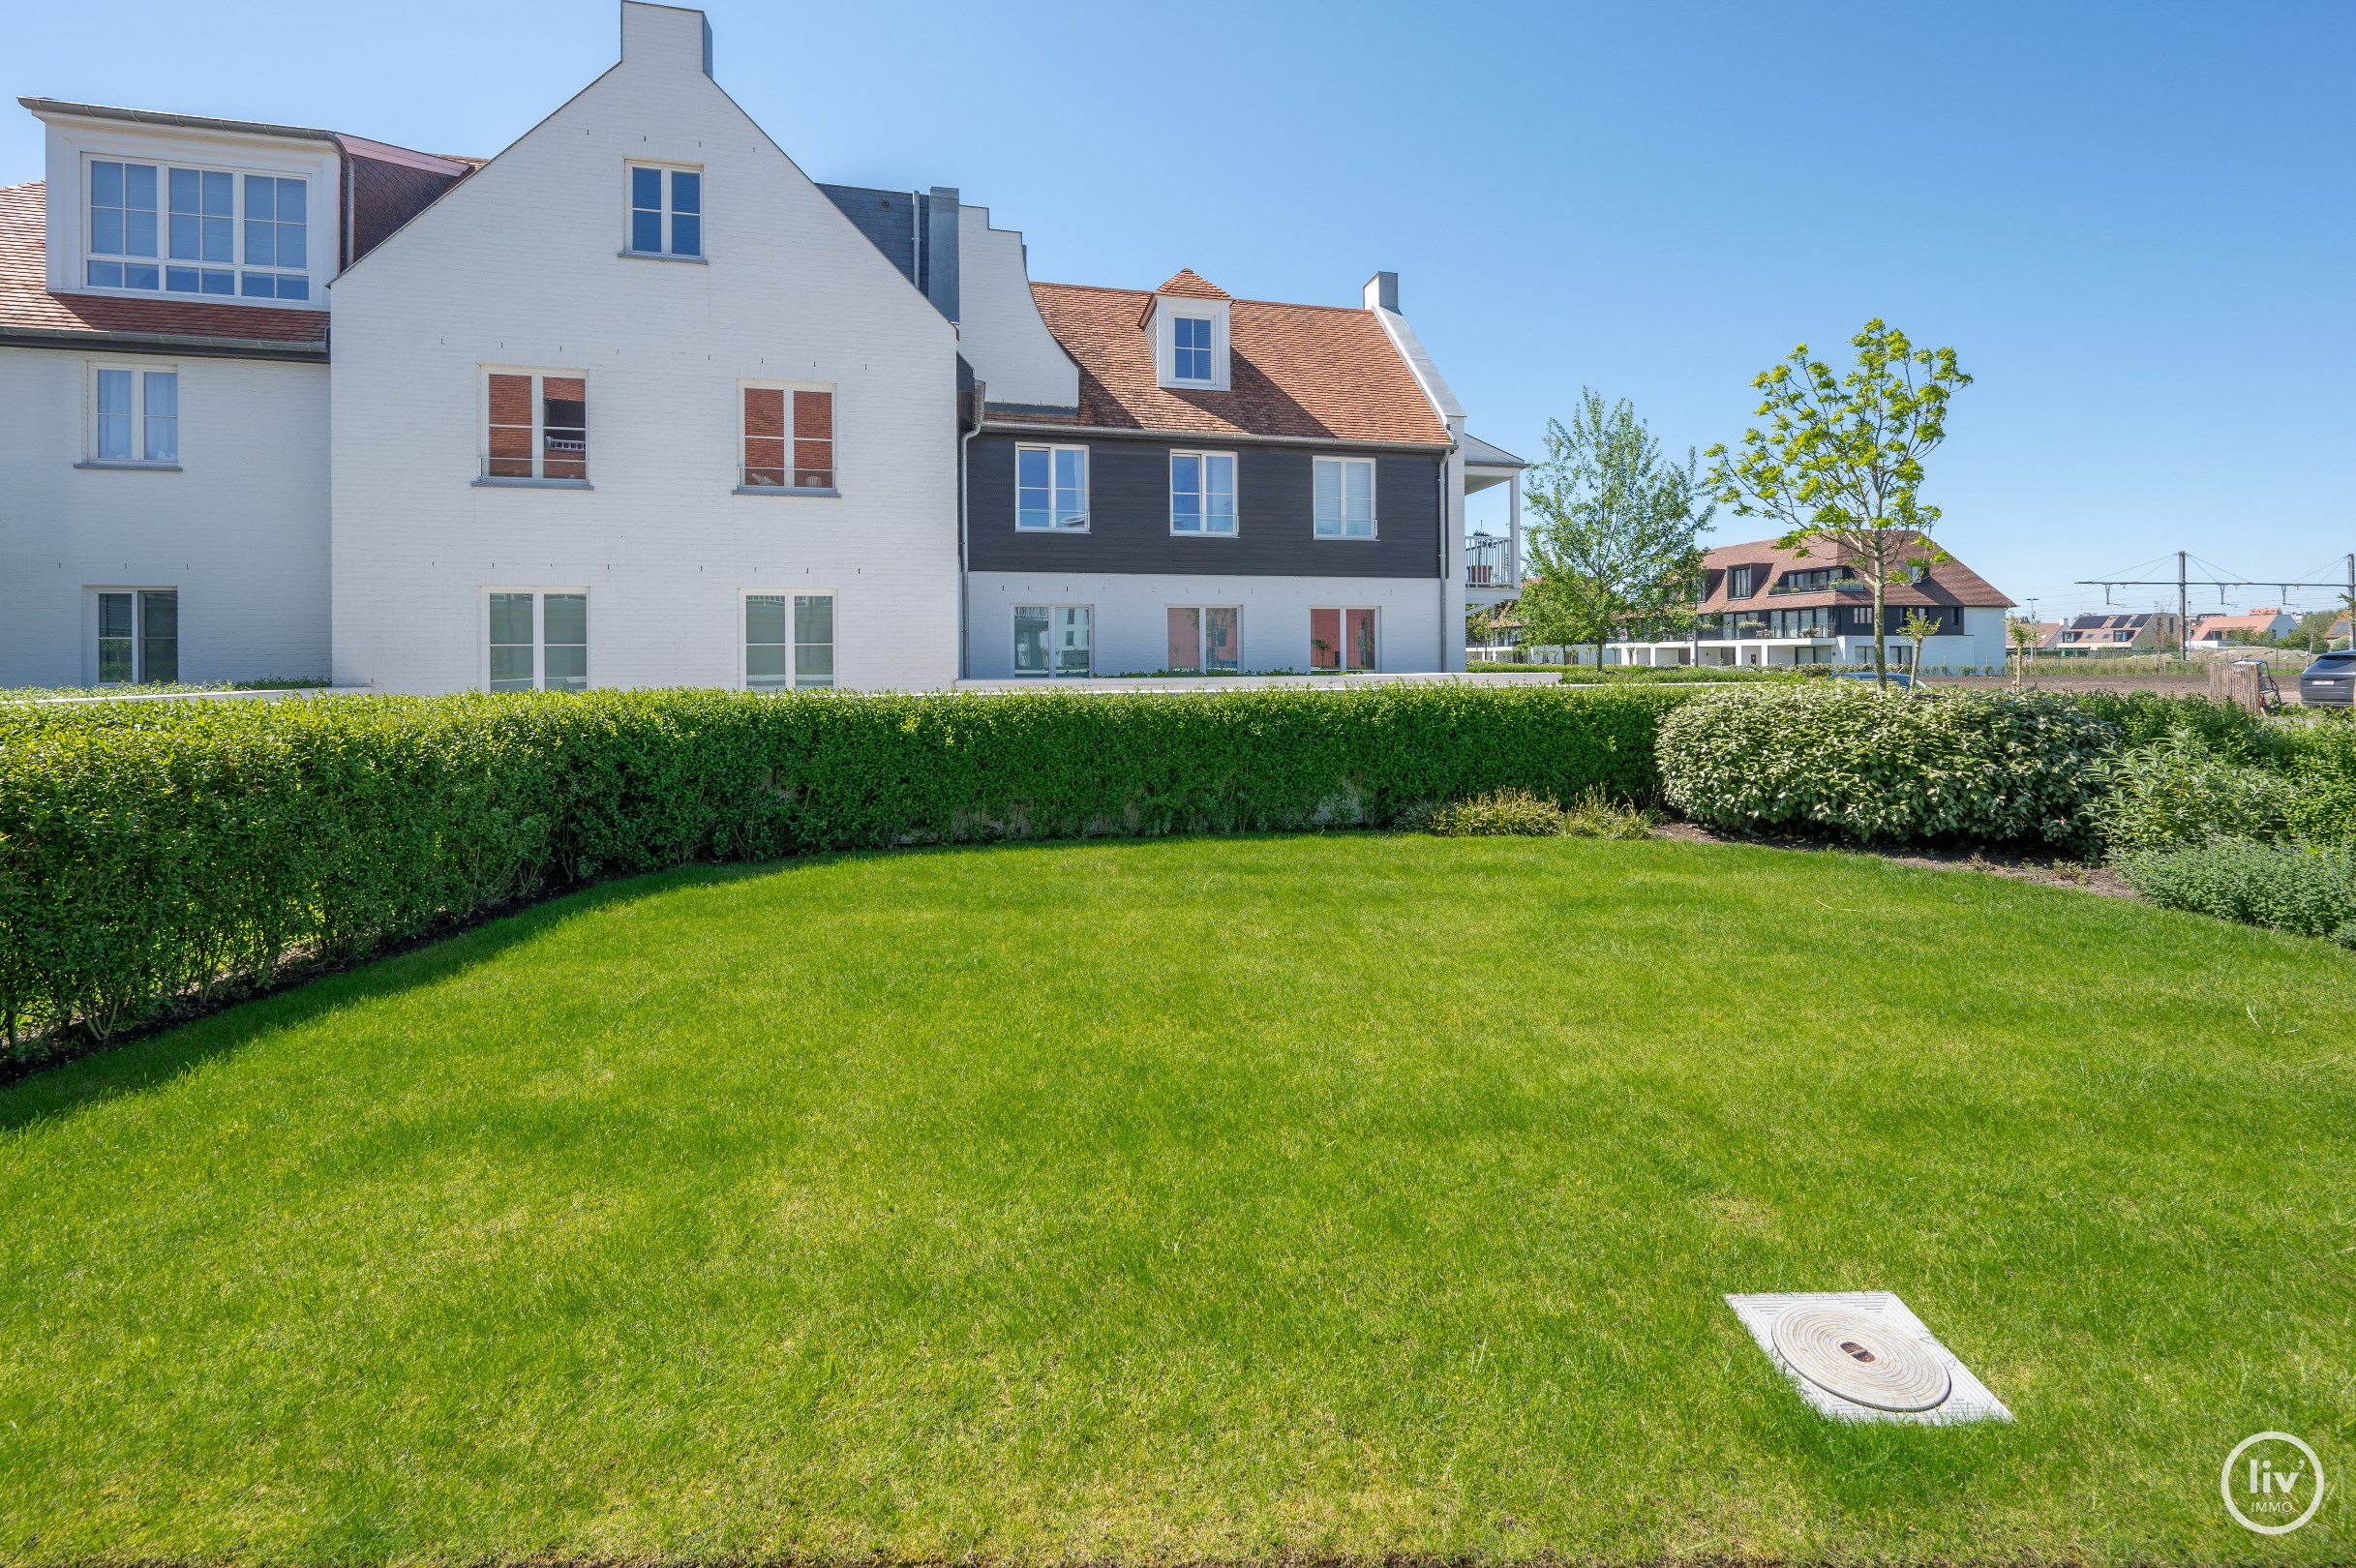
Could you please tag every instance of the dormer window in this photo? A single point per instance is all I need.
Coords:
(1191, 335)
(1739, 581)
(156, 227)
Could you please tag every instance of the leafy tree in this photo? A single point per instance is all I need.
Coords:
(2023, 634)
(1613, 530)
(1840, 462)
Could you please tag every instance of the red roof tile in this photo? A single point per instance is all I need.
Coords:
(1949, 583)
(1294, 369)
(1186, 281)
(26, 304)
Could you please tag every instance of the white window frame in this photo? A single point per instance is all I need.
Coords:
(1374, 499)
(1087, 487)
(539, 630)
(793, 630)
(538, 476)
(745, 485)
(139, 641)
(316, 229)
(1052, 672)
(1234, 493)
(670, 212)
(1202, 635)
(93, 433)
(1210, 349)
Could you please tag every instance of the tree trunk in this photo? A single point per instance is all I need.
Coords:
(1881, 633)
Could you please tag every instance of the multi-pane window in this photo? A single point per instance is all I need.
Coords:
(1739, 581)
(789, 641)
(137, 417)
(190, 220)
(539, 641)
(138, 636)
(1203, 493)
(1203, 636)
(789, 439)
(1190, 336)
(666, 211)
(1342, 639)
(1051, 639)
(1345, 498)
(537, 425)
(1051, 487)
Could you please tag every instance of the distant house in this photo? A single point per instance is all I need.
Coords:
(2144, 631)
(1763, 605)
(2248, 627)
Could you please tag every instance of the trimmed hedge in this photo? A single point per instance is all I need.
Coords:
(155, 852)
(1982, 766)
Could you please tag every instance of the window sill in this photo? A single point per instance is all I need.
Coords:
(1205, 533)
(129, 466)
(663, 256)
(784, 489)
(1348, 538)
(1019, 529)
(533, 484)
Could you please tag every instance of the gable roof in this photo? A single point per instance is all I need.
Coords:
(28, 311)
(1313, 372)
(1192, 285)
(1949, 583)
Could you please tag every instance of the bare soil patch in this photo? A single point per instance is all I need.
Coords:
(2044, 870)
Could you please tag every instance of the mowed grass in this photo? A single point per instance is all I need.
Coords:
(1202, 1198)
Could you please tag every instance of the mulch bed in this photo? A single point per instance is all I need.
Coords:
(2045, 869)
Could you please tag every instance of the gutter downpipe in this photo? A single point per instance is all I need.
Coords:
(965, 511)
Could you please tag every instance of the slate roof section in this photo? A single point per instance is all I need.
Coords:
(28, 309)
(1949, 583)
(1313, 372)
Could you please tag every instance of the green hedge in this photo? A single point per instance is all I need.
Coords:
(151, 852)
(2288, 887)
(1844, 758)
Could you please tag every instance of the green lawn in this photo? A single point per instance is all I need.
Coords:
(1198, 1198)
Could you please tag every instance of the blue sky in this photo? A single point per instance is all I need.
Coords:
(2134, 222)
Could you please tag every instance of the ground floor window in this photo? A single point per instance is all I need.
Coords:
(1051, 639)
(789, 641)
(539, 641)
(1204, 637)
(1342, 639)
(138, 636)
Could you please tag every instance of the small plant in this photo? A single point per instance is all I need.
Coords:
(2286, 887)
(1513, 813)
(1596, 815)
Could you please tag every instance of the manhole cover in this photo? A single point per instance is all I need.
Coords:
(1861, 1358)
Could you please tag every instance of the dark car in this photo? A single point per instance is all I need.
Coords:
(2329, 682)
(1897, 677)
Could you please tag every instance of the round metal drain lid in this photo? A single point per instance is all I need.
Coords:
(1861, 1358)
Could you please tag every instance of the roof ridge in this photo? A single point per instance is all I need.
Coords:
(1281, 304)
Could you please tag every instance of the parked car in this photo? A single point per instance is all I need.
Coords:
(2330, 682)
(1897, 677)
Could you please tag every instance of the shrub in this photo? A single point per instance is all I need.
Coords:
(1989, 767)
(2177, 791)
(1596, 815)
(151, 852)
(2320, 757)
(1514, 813)
(2227, 729)
(2288, 887)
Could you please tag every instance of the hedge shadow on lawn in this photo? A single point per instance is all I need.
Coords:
(149, 1060)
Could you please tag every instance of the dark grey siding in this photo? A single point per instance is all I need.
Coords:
(1129, 516)
(887, 218)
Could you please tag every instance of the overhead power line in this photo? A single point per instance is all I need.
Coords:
(2184, 583)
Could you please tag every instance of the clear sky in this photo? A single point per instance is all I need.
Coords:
(2134, 222)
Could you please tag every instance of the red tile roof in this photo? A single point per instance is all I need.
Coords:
(1949, 583)
(26, 304)
(1294, 369)
(1193, 285)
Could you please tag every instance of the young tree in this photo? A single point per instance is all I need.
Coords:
(1840, 462)
(1613, 530)
(2023, 634)
(1917, 629)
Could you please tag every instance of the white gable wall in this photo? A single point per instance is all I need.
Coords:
(518, 268)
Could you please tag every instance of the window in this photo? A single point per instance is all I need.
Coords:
(138, 636)
(771, 438)
(1191, 340)
(668, 200)
(1862, 615)
(1203, 636)
(1203, 493)
(773, 660)
(201, 219)
(1051, 487)
(539, 426)
(138, 418)
(1739, 582)
(1346, 498)
(1051, 639)
(1342, 639)
(539, 641)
